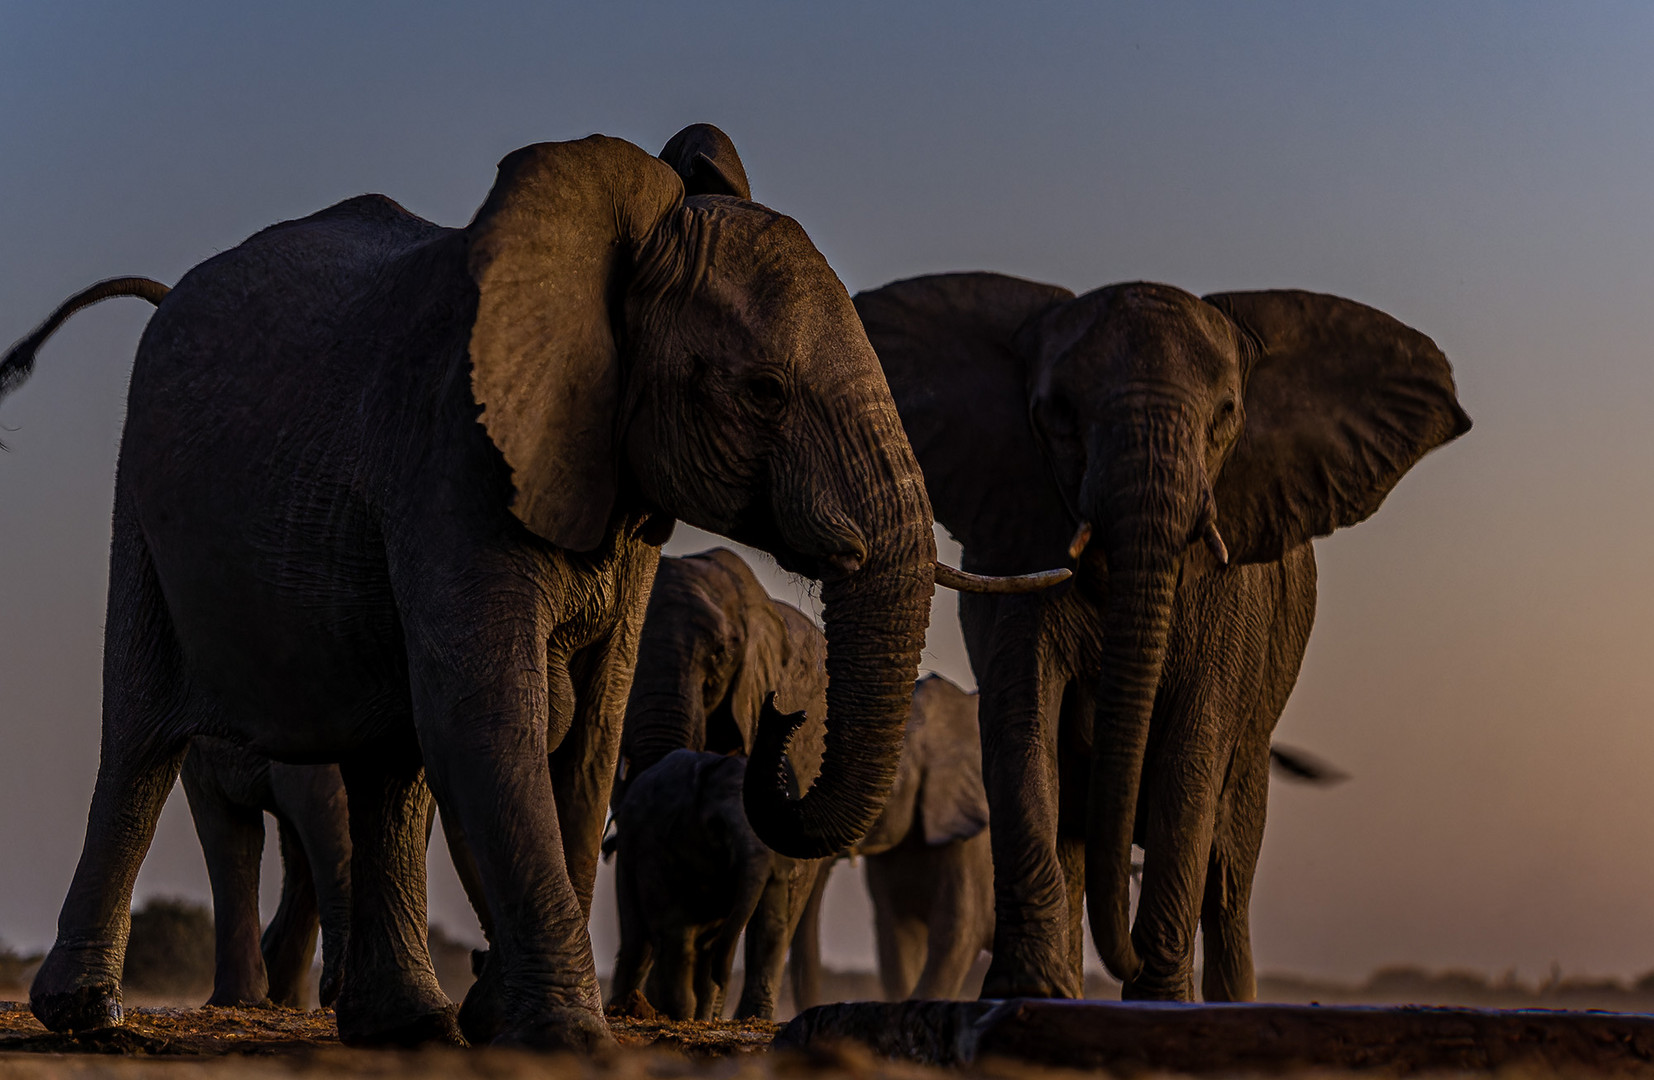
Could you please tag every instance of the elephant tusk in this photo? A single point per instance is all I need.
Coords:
(1214, 541)
(1082, 537)
(961, 581)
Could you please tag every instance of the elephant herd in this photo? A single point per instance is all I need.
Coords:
(388, 510)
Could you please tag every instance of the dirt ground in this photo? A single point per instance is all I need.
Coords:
(274, 1044)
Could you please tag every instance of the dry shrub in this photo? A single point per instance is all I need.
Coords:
(170, 951)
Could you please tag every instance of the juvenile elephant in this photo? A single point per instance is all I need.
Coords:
(390, 494)
(230, 789)
(690, 875)
(1199, 445)
(714, 644)
(930, 872)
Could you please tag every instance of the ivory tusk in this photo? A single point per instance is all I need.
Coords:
(960, 581)
(1214, 541)
(1082, 537)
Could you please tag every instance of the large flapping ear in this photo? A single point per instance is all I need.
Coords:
(945, 342)
(548, 251)
(705, 160)
(953, 803)
(1341, 400)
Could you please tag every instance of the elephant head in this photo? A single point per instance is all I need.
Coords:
(645, 356)
(1148, 434)
(714, 645)
(938, 794)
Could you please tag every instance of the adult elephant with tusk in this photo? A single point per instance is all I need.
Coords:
(389, 494)
(1182, 452)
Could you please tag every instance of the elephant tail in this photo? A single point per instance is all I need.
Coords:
(18, 363)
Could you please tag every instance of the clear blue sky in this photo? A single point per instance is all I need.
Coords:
(1483, 171)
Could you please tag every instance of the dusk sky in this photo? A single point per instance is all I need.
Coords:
(1483, 658)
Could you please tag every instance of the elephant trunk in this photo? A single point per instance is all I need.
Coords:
(664, 712)
(875, 620)
(1147, 501)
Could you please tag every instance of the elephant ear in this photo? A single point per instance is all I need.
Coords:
(548, 252)
(953, 803)
(763, 660)
(705, 160)
(1341, 400)
(945, 342)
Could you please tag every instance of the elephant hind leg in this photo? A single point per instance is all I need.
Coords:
(289, 942)
(232, 843)
(146, 710)
(390, 994)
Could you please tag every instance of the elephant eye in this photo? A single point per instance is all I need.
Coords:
(767, 393)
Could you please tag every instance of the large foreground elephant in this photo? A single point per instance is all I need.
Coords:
(389, 494)
(1183, 452)
(230, 789)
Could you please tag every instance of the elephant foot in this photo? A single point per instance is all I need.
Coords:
(400, 1014)
(482, 1016)
(566, 1028)
(1147, 988)
(1003, 982)
(85, 1008)
(439, 1028)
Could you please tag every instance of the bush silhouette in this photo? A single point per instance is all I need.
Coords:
(171, 948)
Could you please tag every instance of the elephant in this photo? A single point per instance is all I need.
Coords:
(690, 875)
(714, 645)
(230, 789)
(390, 494)
(1180, 454)
(930, 872)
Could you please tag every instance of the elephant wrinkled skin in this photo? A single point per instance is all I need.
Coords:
(1181, 453)
(389, 494)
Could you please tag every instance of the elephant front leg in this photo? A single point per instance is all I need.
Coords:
(1031, 901)
(390, 994)
(485, 745)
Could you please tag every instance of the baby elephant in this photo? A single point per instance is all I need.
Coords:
(230, 790)
(930, 870)
(690, 875)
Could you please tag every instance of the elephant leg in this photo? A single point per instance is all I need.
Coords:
(1226, 906)
(390, 994)
(632, 962)
(710, 982)
(768, 931)
(583, 765)
(898, 933)
(470, 878)
(951, 943)
(315, 809)
(289, 942)
(146, 715)
(671, 983)
(804, 956)
(232, 843)
(484, 741)
(1019, 705)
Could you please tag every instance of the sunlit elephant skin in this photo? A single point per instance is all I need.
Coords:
(230, 789)
(930, 872)
(714, 645)
(1182, 453)
(389, 495)
(690, 875)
